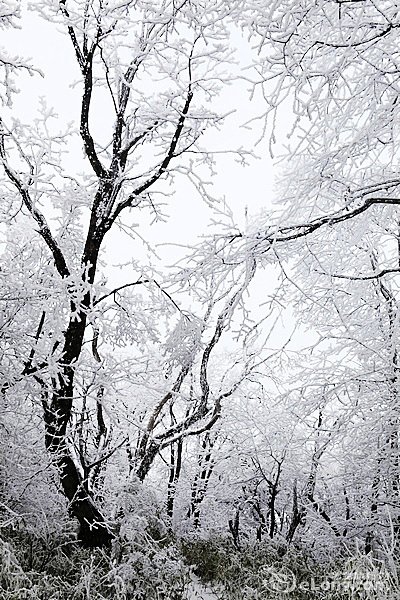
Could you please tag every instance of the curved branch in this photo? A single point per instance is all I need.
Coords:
(149, 448)
(86, 136)
(360, 277)
(164, 165)
(85, 61)
(44, 230)
(373, 38)
(118, 289)
(294, 232)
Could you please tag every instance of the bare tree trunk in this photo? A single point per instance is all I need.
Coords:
(234, 525)
(93, 530)
(202, 478)
(174, 474)
(298, 515)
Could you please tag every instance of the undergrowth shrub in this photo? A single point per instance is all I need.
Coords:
(263, 571)
(143, 563)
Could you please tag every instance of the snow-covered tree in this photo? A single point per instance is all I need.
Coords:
(146, 73)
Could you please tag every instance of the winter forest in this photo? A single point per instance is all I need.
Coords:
(200, 299)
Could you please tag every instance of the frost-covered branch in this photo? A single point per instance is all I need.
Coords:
(23, 189)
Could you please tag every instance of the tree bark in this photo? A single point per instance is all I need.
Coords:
(93, 530)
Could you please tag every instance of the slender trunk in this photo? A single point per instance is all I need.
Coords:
(274, 490)
(348, 513)
(298, 515)
(261, 519)
(234, 528)
(147, 460)
(272, 523)
(370, 536)
(174, 474)
(202, 479)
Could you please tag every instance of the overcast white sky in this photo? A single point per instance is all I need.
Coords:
(250, 187)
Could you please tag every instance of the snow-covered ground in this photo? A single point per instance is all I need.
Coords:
(198, 591)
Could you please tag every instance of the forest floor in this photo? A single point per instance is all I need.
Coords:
(199, 591)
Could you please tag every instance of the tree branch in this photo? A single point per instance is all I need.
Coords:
(85, 108)
(28, 363)
(122, 104)
(72, 35)
(118, 289)
(182, 429)
(44, 230)
(360, 277)
(294, 232)
(164, 165)
(85, 61)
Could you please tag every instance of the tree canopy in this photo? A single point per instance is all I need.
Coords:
(248, 392)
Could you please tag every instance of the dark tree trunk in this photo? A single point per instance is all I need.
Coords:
(234, 525)
(298, 515)
(202, 478)
(261, 519)
(174, 474)
(93, 531)
(147, 459)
